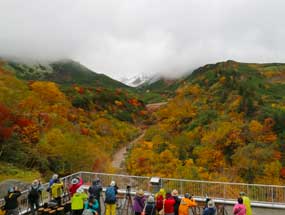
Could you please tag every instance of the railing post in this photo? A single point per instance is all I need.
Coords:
(272, 194)
(224, 191)
(181, 188)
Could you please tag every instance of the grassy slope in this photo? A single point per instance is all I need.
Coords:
(8, 171)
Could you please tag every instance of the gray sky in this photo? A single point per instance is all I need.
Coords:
(122, 38)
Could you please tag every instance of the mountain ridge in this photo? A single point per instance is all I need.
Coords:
(66, 72)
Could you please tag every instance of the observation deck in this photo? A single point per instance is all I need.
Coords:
(223, 193)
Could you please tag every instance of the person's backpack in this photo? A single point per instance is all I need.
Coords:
(110, 195)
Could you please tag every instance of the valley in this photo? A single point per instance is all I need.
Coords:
(224, 122)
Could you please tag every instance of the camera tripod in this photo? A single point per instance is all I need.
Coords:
(127, 203)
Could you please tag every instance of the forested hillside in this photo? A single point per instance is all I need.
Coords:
(226, 123)
(46, 127)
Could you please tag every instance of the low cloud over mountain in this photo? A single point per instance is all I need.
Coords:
(126, 38)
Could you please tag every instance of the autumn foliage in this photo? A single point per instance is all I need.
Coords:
(42, 128)
(220, 126)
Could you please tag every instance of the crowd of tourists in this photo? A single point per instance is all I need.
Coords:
(86, 200)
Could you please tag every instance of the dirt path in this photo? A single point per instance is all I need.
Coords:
(155, 106)
(119, 156)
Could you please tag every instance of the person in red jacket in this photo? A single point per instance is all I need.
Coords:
(169, 203)
(75, 184)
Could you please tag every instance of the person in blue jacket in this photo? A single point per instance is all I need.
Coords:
(210, 209)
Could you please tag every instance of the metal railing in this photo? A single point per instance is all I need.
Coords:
(270, 196)
(260, 195)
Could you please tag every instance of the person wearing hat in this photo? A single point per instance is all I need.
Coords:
(186, 203)
(77, 201)
(11, 201)
(210, 209)
(139, 202)
(246, 202)
(75, 184)
(150, 206)
(34, 195)
(177, 201)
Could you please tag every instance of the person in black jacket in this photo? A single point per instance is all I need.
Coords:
(95, 190)
(34, 195)
(150, 206)
(11, 203)
(177, 201)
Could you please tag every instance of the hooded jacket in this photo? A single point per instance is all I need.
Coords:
(239, 209)
(56, 189)
(96, 189)
(94, 207)
(35, 192)
(169, 205)
(159, 198)
(209, 211)
(74, 187)
(185, 204)
(77, 201)
(139, 202)
(246, 203)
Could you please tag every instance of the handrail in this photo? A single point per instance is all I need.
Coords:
(270, 196)
(188, 180)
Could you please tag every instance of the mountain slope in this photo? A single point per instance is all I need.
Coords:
(226, 122)
(44, 129)
(65, 72)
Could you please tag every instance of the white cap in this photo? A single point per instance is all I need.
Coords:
(74, 181)
(113, 183)
(80, 190)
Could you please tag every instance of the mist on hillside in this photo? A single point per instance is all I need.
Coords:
(126, 38)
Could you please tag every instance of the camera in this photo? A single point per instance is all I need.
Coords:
(128, 193)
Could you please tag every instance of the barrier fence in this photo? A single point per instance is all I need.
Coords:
(270, 196)
(258, 193)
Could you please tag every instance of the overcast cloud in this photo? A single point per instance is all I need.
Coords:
(122, 38)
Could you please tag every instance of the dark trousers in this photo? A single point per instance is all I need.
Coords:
(33, 204)
(58, 200)
(12, 211)
(77, 212)
(99, 206)
(137, 213)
